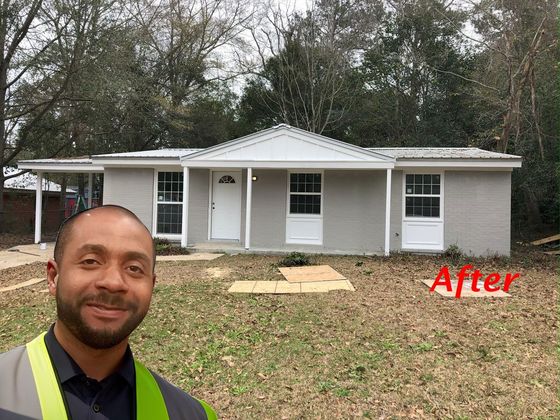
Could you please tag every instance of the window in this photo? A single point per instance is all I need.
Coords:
(305, 193)
(169, 203)
(227, 179)
(422, 195)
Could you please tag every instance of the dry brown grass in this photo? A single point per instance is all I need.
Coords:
(388, 350)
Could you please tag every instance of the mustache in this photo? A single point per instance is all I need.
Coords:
(109, 299)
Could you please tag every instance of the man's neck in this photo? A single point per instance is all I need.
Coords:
(96, 363)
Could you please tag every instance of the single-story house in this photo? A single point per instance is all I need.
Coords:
(284, 189)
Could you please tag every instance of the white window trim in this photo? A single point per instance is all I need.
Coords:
(305, 216)
(441, 198)
(155, 234)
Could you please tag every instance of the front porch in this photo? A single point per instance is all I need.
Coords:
(43, 166)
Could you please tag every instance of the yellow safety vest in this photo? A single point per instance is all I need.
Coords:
(149, 401)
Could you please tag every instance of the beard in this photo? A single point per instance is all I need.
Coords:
(69, 313)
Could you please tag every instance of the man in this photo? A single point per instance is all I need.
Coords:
(102, 276)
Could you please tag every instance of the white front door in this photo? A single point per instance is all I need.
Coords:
(226, 205)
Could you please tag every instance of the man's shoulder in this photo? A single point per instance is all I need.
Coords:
(12, 356)
(180, 405)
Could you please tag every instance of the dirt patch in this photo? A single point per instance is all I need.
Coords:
(15, 275)
(219, 272)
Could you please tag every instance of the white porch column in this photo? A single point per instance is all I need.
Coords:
(185, 207)
(38, 206)
(388, 213)
(89, 184)
(248, 208)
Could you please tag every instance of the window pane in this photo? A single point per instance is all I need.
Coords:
(305, 204)
(169, 218)
(170, 186)
(305, 183)
(422, 184)
(422, 206)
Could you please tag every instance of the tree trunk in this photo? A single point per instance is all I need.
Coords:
(533, 213)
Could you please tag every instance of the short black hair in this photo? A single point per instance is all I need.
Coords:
(65, 229)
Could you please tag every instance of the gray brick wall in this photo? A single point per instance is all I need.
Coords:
(396, 211)
(268, 212)
(131, 188)
(198, 205)
(354, 211)
(478, 211)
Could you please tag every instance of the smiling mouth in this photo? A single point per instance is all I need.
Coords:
(106, 311)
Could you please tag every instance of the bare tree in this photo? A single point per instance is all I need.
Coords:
(513, 35)
(44, 45)
(181, 41)
(306, 61)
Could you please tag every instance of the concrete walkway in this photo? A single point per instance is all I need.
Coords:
(198, 256)
(27, 254)
(282, 287)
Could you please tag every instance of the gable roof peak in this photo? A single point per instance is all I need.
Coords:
(281, 125)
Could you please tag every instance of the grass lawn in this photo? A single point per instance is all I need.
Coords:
(389, 350)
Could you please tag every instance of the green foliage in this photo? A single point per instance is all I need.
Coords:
(294, 259)
(165, 247)
(453, 252)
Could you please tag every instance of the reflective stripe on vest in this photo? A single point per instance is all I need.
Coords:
(149, 400)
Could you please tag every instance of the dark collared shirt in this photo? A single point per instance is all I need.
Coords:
(87, 398)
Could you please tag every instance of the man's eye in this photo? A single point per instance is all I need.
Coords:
(135, 269)
(89, 261)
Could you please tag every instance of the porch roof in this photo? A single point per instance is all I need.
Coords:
(81, 165)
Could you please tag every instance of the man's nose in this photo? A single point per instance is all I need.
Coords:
(113, 279)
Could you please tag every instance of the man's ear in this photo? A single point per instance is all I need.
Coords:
(52, 276)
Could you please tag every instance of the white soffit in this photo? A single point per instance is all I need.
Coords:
(287, 144)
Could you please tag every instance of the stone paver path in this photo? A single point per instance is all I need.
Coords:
(282, 287)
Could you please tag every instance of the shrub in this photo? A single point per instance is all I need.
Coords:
(165, 247)
(453, 252)
(294, 259)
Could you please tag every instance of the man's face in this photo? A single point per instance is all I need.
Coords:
(105, 279)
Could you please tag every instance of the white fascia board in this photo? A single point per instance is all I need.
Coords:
(60, 167)
(459, 164)
(138, 163)
(281, 164)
